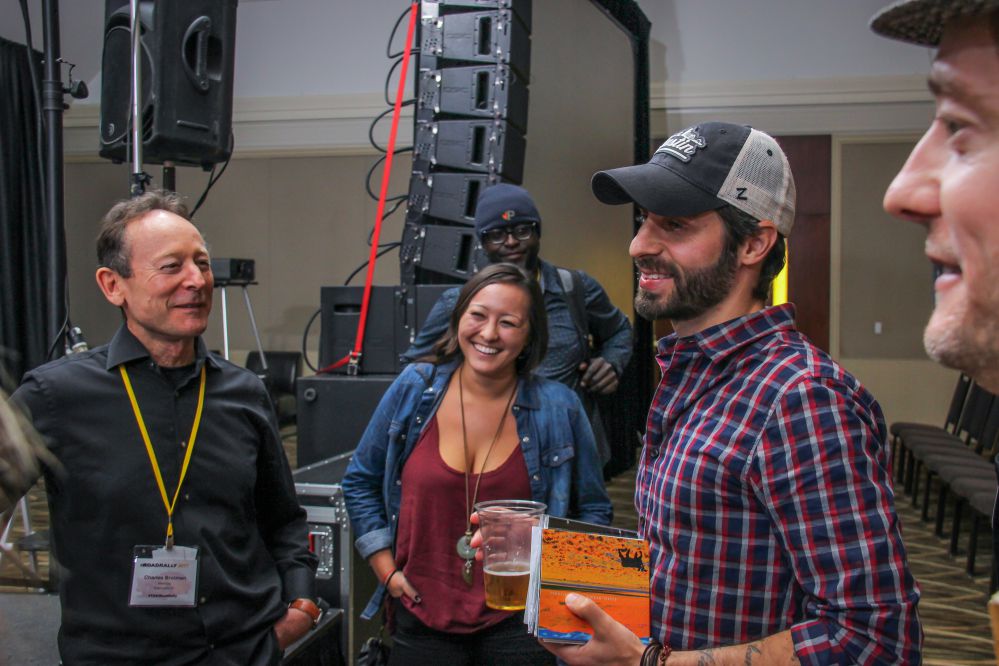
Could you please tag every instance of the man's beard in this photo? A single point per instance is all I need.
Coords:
(694, 291)
(966, 340)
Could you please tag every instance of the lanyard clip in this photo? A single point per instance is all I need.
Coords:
(169, 542)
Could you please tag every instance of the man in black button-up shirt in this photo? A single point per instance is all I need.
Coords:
(237, 502)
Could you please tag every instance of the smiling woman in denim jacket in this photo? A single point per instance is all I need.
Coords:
(471, 425)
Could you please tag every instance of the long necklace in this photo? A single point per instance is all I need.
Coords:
(464, 547)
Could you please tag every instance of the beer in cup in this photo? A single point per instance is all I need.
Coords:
(506, 549)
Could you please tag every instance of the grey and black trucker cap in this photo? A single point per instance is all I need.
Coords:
(705, 167)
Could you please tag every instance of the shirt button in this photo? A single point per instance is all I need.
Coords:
(398, 482)
(183, 445)
(201, 601)
(419, 419)
(393, 517)
(527, 439)
(554, 458)
(186, 496)
(516, 408)
(537, 478)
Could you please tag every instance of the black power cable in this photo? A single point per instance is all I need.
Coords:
(388, 248)
(305, 340)
(388, 79)
(371, 171)
(374, 123)
(395, 28)
(212, 179)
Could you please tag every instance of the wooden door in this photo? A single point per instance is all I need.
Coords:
(808, 249)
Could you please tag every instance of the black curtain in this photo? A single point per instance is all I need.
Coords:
(23, 253)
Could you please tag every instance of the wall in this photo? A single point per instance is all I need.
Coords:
(885, 277)
(880, 274)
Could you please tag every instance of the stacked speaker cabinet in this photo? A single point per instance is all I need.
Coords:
(471, 127)
(187, 50)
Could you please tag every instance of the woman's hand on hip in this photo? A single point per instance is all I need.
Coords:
(398, 585)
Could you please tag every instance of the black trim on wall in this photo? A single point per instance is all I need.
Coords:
(624, 412)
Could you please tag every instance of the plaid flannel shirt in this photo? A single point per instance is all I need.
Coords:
(765, 494)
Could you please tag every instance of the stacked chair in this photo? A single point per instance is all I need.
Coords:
(282, 372)
(905, 430)
(959, 456)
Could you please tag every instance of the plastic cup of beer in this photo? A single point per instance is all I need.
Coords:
(506, 549)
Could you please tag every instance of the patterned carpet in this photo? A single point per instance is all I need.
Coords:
(953, 604)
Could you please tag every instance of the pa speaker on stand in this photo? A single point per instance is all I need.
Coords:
(187, 54)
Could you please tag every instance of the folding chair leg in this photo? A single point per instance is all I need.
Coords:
(941, 509)
(926, 496)
(894, 455)
(973, 544)
(956, 528)
(915, 486)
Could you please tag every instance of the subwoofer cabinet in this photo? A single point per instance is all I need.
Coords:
(333, 411)
(343, 579)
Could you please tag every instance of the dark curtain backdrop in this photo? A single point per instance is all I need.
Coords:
(22, 222)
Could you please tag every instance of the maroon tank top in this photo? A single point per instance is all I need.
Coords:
(431, 520)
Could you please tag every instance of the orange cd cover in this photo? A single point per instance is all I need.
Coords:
(611, 570)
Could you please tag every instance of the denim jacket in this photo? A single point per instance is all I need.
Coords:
(555, 438)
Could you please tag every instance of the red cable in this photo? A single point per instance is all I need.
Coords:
(386, 173)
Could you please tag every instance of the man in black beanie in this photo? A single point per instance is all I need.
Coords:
(508, 225)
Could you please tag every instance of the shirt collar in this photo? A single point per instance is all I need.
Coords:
(720, 340)
(527, 387)
(549, 277)
(125, 348)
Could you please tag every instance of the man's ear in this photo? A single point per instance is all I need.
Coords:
(111, 285)
(756, 247)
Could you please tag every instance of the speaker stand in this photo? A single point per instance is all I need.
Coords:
(253, 322)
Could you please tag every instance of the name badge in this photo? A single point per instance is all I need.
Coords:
(164, 577)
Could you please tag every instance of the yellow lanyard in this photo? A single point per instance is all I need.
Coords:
(152, 455)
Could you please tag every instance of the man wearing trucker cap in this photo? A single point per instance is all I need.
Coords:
(763, 486)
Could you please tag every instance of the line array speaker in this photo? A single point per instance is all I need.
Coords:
(486, 146)
(447, 196)
(487, 91)
(471, 119)
(497, 36)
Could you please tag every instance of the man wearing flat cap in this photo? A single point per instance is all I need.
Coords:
(508, 225)
(763, 485)
(948, 185)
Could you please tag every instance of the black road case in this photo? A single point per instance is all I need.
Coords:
(342, 579)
